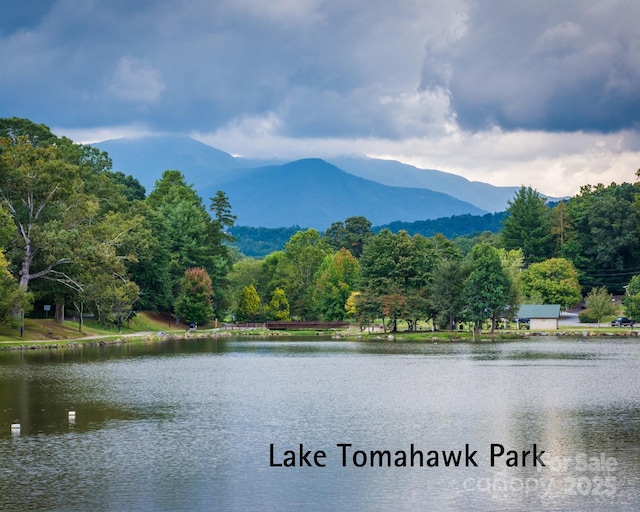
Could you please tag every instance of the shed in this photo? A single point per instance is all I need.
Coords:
(541, 316)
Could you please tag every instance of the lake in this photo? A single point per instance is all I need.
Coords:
(218, 424)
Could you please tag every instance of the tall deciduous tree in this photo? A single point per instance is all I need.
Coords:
(528, 226)
(351, 235)
(631, 299)
(193, 305)
(561, 228)
(335, 281)
(400, 265)
(40, 190)
(13, 299)
(301, 259)
(600, 303)
(605, 245)
(59, 196)
(555, 281)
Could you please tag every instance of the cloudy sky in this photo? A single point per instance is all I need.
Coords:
(510, 92)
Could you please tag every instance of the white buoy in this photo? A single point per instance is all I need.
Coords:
(72, 416)
(15, 428)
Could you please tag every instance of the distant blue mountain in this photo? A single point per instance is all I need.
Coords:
(309, 192)
(314, 193)
(389, 172)
(146, 158)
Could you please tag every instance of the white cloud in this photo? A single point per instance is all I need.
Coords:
(554, 164)
(421, 81)
(102, 133)
(136, 80)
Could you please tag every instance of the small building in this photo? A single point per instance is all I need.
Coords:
(540, 316)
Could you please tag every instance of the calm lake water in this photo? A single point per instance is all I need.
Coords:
(188, 426)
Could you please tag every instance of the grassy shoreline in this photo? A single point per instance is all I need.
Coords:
(150, 327)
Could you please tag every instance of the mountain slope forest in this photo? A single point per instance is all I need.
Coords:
(78, 235)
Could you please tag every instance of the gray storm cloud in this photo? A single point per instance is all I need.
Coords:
(363, 68)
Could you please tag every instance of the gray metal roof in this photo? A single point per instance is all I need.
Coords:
(539, 311)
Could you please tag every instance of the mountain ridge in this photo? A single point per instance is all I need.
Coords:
(317, 193)
(383, 193)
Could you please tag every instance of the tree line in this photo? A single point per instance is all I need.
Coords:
(78, 235)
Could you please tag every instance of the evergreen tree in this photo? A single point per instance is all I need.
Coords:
(249, 306)
(278, 307)
(527, 226)
(486, 289)
(223, 220)
(447, 292)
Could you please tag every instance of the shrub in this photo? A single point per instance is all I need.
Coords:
(586, 316)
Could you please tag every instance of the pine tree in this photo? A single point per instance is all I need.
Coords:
(528, 226)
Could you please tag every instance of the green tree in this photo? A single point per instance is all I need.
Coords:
(37, 135)
(40, 189)
(172, 188)
(131, 187)
(394, 266)
(631, 299)
(604, 244)
(447, 292)
(300, 261)
(512, 263)
(101, 266)
(561, 227)
(278, 307)
(246, 272)
(249, 306)
(334, 282)
(600, 303)
(58, 195)
(223, 220)
(7, 228)
(527, 226)
(196, 239)
(351, 235)
(151, 270)
(555, 281)
(486, 289)
(193, 305)
(14, 300)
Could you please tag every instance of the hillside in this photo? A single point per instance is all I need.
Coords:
(314, 193)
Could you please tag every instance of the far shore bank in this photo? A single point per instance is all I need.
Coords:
(345, 335)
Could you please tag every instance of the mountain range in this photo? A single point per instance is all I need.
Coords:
(310, 192)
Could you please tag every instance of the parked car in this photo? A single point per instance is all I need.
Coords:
(622, 321)
(523, 323)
